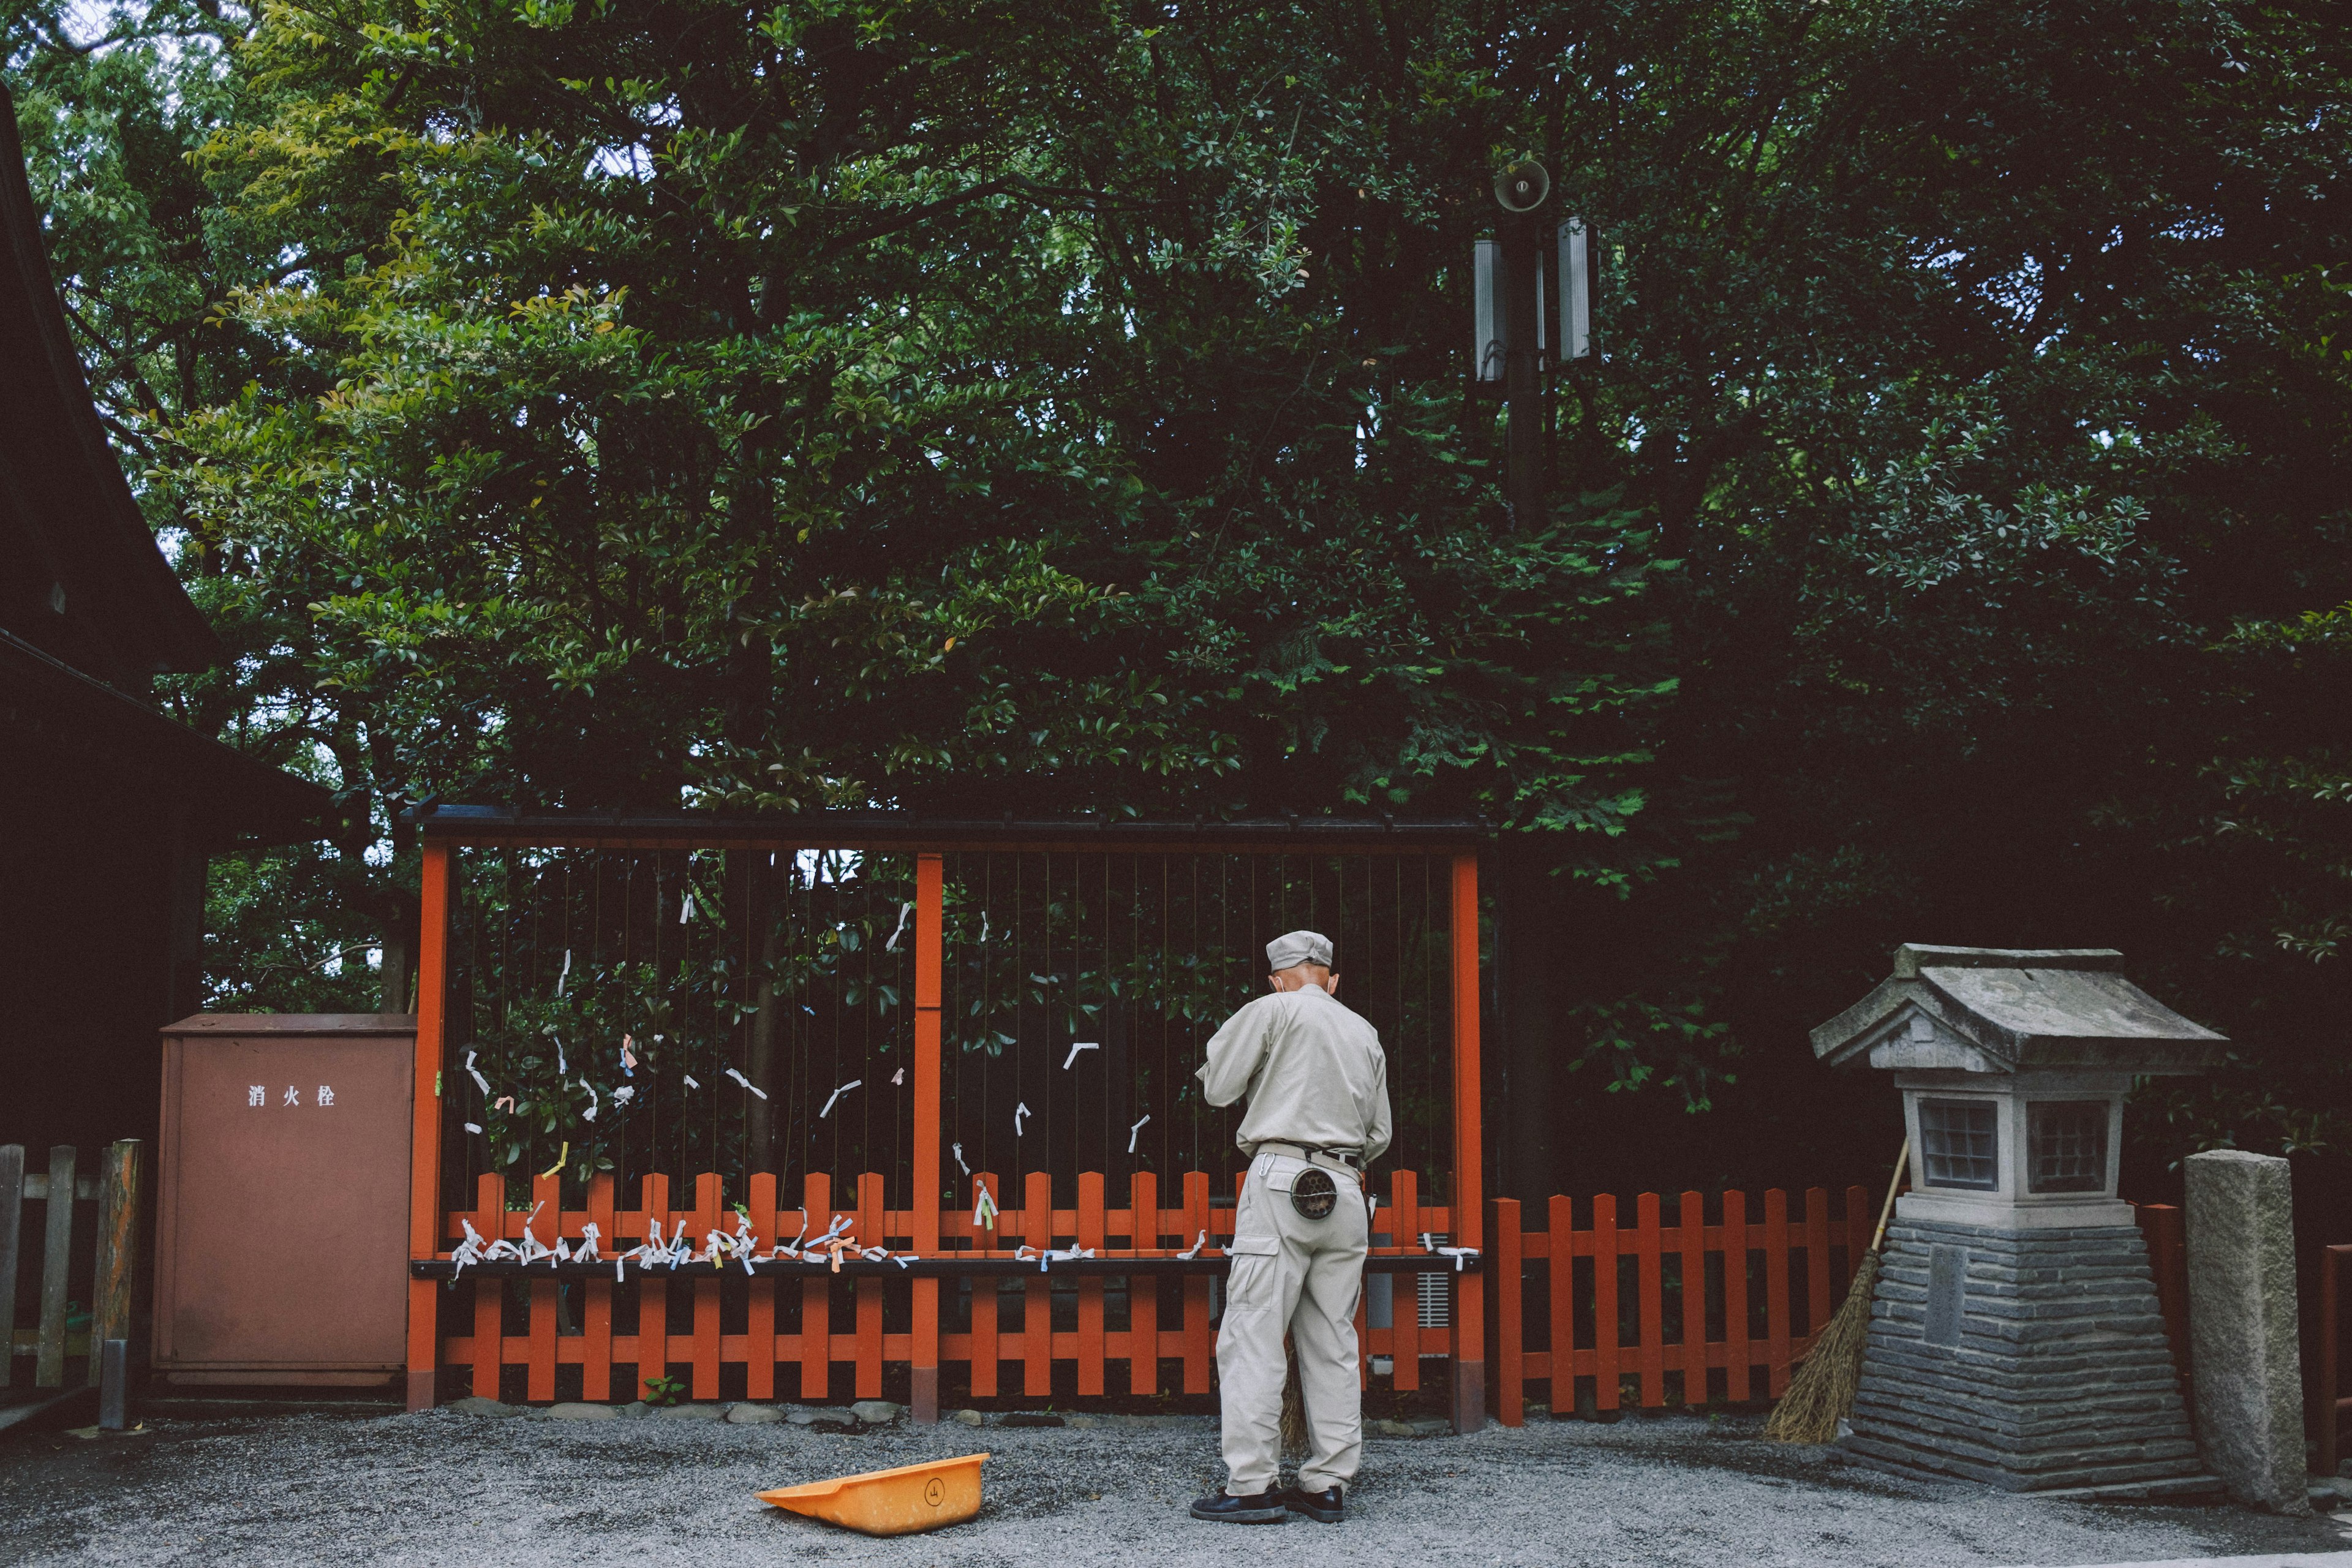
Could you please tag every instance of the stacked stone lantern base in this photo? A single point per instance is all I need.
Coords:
(2034, 1359)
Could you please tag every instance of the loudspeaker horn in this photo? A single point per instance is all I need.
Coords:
(1522, 187)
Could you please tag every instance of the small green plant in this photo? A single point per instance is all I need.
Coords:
(663, 1391)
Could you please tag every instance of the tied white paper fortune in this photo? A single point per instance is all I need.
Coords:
(1072, 1060)
(892, 945)
(899, 1077)
(1019, 1111)
(622, 1095)
(959, 1157)
(1134, 1133)
(1460, 1255)
(473, 1127)
(1048, 1256)
(686, 909)
(593, 1103)
(1194, 1251)
(789, 1248)
(468, 1250)
(836, 1094)
(747, 1083)
(564, 974)
(476, 1073)
(983, 925)
(984, 1207)
(688, 1080)
(586, 1251)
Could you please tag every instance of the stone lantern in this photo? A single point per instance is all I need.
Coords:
(2015, 1337)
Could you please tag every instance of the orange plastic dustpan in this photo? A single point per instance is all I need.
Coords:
(891, 1503)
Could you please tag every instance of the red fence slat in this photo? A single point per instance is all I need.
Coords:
(1735, 1298)
(816, 1295)
(1143, 1289)
(1037, 1306)
(1503, 1237)
(596, 1305)
(984, 1347)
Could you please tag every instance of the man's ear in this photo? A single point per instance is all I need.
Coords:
(1331, 986)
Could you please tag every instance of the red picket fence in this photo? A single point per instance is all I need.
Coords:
(794, 1324)
(1641, 1324)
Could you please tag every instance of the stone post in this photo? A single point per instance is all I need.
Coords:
(2247, 1365)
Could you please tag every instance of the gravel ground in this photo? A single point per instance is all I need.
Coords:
(445, 1487)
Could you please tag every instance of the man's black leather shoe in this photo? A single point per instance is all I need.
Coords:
(1263, 1508)
(1325, 1507)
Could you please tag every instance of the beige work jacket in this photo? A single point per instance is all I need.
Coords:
(1314, 1072)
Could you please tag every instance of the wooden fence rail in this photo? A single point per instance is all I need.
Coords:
(788, 1335)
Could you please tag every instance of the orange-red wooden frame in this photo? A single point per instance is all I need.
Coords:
(925, 1347)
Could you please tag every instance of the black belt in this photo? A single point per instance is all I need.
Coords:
(1353, 1159)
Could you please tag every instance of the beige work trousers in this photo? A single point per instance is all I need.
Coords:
(1305, 1275)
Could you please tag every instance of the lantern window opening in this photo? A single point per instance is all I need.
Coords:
(2066, 1145)
(1959, 1143)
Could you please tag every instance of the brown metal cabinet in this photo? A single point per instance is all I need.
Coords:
(281, 1220)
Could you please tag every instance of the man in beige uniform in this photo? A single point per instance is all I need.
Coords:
(1319, 1112)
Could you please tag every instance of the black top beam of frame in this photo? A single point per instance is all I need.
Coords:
(884, 831)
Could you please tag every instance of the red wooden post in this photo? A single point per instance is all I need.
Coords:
(1861, 1219)
(1091, 1232)
(1693, 1237)
(653, 1295)
(870, 1228)
(1650, 1282)
(1038, 1307)
(489, 1294)
(424, 1126)
(985, 1345)
(923, 1378)
(1510, 1369)
(1143, 1289)
(760, 1318)
(1467, 1195)
(1404, 1336)
(1199, 1343)
(709, 1205)
(596, 1310)
(1607, 1369)
(1736, 1380)
(2168, 1259)
(546, 1221)
(816, 1303)
(1561, 1247)
(1817, 1259)
(1776, 1291)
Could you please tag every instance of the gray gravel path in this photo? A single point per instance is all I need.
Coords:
(447, 1487)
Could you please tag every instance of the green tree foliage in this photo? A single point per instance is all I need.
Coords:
(974, 407)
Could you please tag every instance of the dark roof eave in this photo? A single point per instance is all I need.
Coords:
(236, 796)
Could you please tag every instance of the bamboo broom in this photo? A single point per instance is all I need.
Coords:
(1821, 1393)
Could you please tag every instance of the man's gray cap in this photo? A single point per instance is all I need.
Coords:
(1298, 947)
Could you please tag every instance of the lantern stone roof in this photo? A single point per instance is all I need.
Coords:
(2003, 1010)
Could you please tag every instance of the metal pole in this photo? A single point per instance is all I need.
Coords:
(1521, 237)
